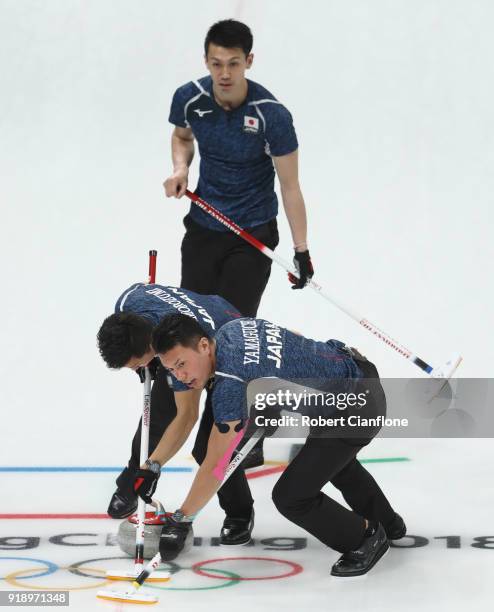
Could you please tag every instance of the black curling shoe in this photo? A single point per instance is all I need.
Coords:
(237, 531)
(122, 504)
(396, 529)
(360, 561)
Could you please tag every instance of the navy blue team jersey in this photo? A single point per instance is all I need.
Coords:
(157, 301)
(248, 349)
(236, 170)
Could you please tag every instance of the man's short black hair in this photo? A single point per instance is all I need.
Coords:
(230, 34)
(177, 329)
(122, 336)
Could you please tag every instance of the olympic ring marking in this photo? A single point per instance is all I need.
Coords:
(51, 567)
(172, 567)
(11, 579)
(296, 568)
(234, 579)
(197, 568)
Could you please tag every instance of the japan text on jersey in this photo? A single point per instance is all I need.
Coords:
(252, 349)
(154, 302)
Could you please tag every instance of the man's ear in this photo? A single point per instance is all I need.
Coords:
(203, 345)
(249, 59)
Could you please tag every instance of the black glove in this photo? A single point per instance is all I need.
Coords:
(145, 483)
(303, 265)
(175, 536)
(153, 366)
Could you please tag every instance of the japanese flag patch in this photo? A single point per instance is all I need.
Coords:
(251, 124)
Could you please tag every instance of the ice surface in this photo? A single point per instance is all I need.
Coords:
(392, 103)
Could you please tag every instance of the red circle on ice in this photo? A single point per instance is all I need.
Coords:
(295, 568)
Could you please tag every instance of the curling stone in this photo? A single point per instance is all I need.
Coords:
(153, 524)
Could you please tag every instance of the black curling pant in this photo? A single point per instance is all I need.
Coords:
(234, 496)
(222, 263)
(298, 496)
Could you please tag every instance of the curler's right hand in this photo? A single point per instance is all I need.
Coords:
(176, 184)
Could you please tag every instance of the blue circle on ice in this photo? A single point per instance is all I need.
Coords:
(50, 567)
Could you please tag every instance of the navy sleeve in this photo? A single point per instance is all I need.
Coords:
(280, 133)
(229, 400)
(177, 116)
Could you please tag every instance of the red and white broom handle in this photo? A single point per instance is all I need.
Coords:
(231, 225)
(146, 416)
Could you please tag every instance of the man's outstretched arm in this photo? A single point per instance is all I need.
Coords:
(210, 475)
(179, 429)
